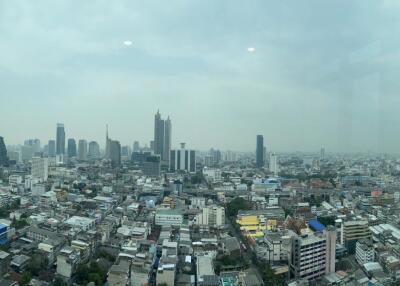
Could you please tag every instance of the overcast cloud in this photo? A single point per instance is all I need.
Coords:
(321, 72)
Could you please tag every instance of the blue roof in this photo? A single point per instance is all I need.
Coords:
(316, 225)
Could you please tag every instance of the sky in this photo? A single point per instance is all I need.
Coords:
(302, 73)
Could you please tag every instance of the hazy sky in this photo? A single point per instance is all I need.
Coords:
(322, 72)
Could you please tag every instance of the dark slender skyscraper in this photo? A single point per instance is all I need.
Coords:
(52, 148)
(158, 135)
(3, 153)
(60, 139)
(260, 151)
(71, 149)
(115, 153)
(162, 137)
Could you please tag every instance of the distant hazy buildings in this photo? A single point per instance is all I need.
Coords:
(152, 166)
(162, 137)
(60, 139)
(183, 160)
(82, 150)
(136, 146)
(260, 151)
(94, 150)
(126, 153)
(3, 153)
(40, 168)
(26, 153)
(51, 148)
(34, 143)
(71, 148)
(322, 153)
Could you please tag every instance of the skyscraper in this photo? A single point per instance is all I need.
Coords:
(260, 151)
(60, 139)
(183, 159)
(167, 139)
(52, 148)
(162, 137)
(3, 153)
(273, 163)
(115, 153)
(71, 149)
(94, 150)
(159, 128)
(82, 150)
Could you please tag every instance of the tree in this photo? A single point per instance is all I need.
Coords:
(96, 278)
(268, 275)
(37, 264)
(25, 278)
(237, 204)
(327, 220)
(59, 282)
(82, 274)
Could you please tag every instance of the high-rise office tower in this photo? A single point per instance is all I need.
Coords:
(162, 136)
(40, 168)
(71, 149)
(3, 153)
(136, 146)
(34, 143)
(60, 139)
(94, 150)
(82, 150)
(115, 153)
(167, 139)
(183, 159)
(159, 128)
(52, 148)
(260, 151)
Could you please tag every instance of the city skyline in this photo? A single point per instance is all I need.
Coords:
(261, 68)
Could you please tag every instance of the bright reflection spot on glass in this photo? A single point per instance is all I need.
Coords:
(128, 43)
(251, 49)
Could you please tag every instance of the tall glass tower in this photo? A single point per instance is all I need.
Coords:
(260, 151)
(60, 139)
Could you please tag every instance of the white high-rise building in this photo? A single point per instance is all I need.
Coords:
(273, 163)
(40, 168)
(211, 216)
